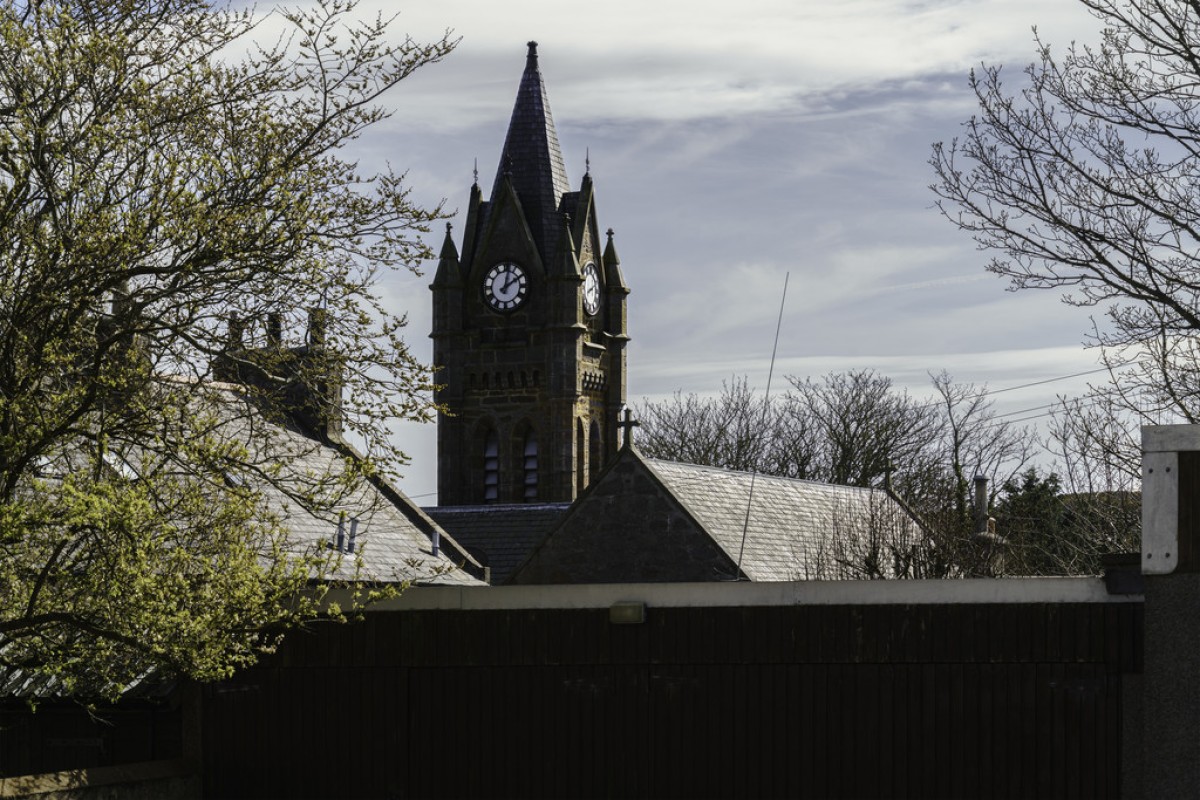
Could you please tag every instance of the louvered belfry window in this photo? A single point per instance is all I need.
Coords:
(531, 467)
(491, 468)
(594, 453)
(581, 460)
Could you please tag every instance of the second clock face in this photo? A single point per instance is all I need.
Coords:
(505, 286)
(591, 289)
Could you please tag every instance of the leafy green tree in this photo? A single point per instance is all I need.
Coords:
(170, 170)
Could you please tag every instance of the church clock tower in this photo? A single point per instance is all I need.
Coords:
(529, 327)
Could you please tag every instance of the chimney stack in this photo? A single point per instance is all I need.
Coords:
(302, 383)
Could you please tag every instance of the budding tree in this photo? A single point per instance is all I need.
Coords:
(166, 167)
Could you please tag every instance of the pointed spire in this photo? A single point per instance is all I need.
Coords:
(532, 157)
(448, 248)
(613, 278)
(471, 229)
(447, 269)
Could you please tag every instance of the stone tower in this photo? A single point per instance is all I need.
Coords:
(529, 327)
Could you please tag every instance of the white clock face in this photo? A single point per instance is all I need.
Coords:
(591, 289)
(505, 286)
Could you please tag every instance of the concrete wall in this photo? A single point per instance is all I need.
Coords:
(153, 780)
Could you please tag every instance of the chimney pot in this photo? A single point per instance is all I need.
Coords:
(981, 504)
(316, 327)
(120, 299)
(236, 331)
(274, 329)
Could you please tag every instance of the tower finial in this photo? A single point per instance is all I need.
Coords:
(532, 52)
(475, 171)
(587, 162)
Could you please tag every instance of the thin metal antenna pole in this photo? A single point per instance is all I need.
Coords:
(763, 426)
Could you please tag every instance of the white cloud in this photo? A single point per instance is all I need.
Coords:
(731, 144)
(673, 59)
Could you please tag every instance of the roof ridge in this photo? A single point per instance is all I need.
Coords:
(496, 507)
(761, 475)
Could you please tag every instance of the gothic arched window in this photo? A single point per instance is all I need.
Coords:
(530, 467)
(491, 467)
(581, 459)
(595, 454)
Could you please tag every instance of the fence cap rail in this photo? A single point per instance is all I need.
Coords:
(744, 593)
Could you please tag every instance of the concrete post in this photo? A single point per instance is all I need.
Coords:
(1170, 548)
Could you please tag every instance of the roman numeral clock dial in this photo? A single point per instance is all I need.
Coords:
(591, 289)
(505, 287)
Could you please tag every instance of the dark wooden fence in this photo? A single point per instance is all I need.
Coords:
(63, 734)
(919, 701)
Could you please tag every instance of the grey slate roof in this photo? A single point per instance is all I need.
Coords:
(796, 530)
(533, 160)
(499, 536)
(393, 541)
(393, 538)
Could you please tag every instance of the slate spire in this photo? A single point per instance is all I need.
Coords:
(532, 159)
(448, 273)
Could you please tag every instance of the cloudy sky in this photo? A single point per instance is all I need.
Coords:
(732, 144)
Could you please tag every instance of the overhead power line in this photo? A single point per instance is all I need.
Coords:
(1054, 380)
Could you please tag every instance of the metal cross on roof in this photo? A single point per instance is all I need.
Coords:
(627, 425)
